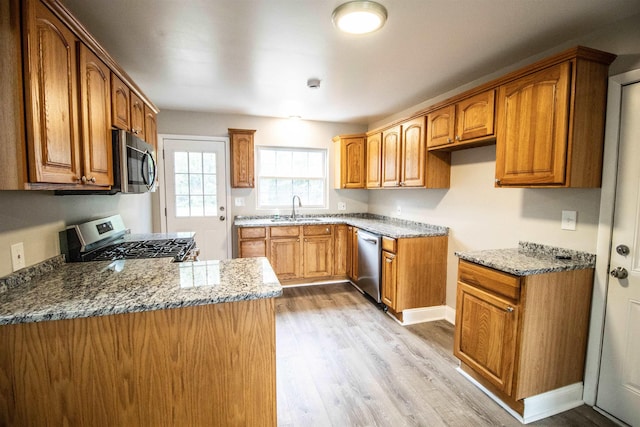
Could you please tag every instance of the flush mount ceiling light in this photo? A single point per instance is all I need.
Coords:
(359, 17)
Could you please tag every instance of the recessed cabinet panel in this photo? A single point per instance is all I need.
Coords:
(475, 116)
(350, 161)
(413, 153)
(51, 99)
(440, 127)
(120, 104)
(374, 160)
(137, 116)
(95, 111)
(391, 157)
(533, 125)
(242, 158)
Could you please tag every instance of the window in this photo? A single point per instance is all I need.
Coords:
(285, 172)
(195, 183)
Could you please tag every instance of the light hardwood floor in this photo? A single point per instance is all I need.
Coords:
(343, 362)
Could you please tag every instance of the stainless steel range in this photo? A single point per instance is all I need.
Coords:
(107, 239)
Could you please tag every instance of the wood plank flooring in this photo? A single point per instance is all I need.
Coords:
(343, 362)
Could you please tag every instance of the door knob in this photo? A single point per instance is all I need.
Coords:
(619, 273)
(222, 218)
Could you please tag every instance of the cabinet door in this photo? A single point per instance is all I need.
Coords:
(284, 255)
(95, 113)
(242, 163)
(475, 116)
(391, 157)
(352, 163)
(340, 250)
(51, 91)
(389, 274)
(137, 116)
(440, 126)
(120, 104)
(317, 256)
(532, 129)
(151, 127)
(413, 153)
(374, 161)
(353, 252)
(485, 335)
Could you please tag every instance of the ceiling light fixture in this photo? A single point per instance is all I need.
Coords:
(359, 17)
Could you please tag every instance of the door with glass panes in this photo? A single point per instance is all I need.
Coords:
(195, 193)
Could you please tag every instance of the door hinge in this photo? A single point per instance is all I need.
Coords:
(163, 154)
(165, 211)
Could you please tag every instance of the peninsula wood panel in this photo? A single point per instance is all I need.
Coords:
(51, 98)
(413, 153)
(374, 161)
(95, 118)
(205, 365)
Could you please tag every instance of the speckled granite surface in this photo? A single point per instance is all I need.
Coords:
(103, 287)
(531, 258)
(377, 224)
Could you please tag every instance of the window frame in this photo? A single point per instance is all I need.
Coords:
(325, 177)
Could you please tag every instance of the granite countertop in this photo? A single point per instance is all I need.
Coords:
(377, 224)
(531, 258)
(54, 290)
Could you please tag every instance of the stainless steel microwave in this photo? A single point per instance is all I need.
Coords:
(134, 165)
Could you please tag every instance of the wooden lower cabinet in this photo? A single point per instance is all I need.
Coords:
(252, 242)
(285, 256)
(352, 253)
(208, 365)
(340, 249)
(414, 272)
(522, 336)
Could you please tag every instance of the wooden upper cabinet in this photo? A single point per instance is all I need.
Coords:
(120, 104)
(51, 97)
(242, 160)
(391, 157)
(95, 113)
(137, 116)
(374, 161)
(413, 159)
(533, 128)
(350, 161)
(467, 123)
(151, 127)
(440, 126)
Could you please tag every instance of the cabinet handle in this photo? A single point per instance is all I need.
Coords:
(497, 181)
(328, 230)
(449, 140)
(401, 184)
(458, 138)
(509, 309)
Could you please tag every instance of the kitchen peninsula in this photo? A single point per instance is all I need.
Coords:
(139, 342)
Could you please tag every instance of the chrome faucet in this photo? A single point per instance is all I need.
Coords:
(293, 207)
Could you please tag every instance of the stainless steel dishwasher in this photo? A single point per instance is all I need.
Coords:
(369, 259)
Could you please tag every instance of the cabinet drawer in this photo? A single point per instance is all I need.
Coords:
(487, 278)
(388, 244)
(253, 233)
(285, 231)
(316, 230)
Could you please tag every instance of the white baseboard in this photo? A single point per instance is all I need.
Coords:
(542, 405)
(450, 314)
(419, 315)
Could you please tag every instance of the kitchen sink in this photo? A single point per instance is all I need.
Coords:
(287, 219)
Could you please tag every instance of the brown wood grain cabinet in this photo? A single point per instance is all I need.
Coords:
(352, 253)
(317, 251)
(413, 157)
(467, 123)
(208, 365)
(374, 161)
(414, 272)
(151, 127)
(120, 104)
(340, 249)
(550, 125)
(508, 327)
(95, 118)
(350, 161)
(285, 252)
(391, 157)
(242, 158)
(137, 116)
(252, 242)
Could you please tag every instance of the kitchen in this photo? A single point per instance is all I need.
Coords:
(506, 215)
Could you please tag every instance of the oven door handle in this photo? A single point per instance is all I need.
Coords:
(151, 171)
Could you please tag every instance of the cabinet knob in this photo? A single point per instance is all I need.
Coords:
(83, 179)
(509, 309)
(92, 179)
(497, 181)
(458, 138)
(449, 140)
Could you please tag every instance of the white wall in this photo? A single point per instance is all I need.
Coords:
(36, 217)
(271, 132)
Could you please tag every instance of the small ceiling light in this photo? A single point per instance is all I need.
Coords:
(359, 17)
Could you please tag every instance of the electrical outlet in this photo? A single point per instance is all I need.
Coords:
(17, 256)
(239, 201)
(342, 206)
(569, 220)
(398, 210)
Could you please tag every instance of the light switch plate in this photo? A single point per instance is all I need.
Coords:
(239, 201)
(569, 220)
(17, 256)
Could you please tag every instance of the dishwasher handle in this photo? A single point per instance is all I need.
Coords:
(372, 241)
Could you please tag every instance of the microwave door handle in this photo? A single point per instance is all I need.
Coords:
(154, 170)
(148, 180)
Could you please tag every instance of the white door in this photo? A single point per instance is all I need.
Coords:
(195, 193)
(619, 384)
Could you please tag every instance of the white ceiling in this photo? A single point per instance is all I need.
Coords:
(254, 56)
